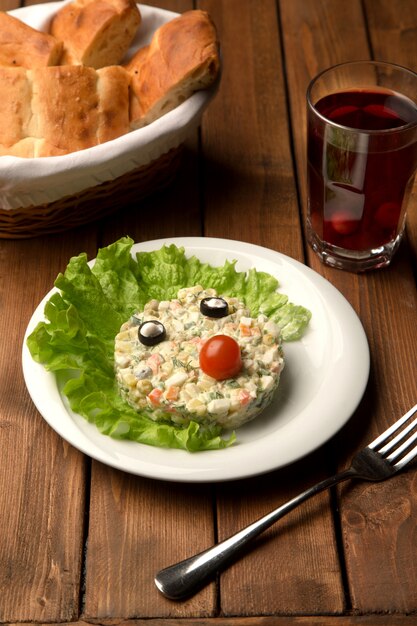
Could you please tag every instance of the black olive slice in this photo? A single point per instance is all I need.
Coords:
(151, 332)
(214, 307)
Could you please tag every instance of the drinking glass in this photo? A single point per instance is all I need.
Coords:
(362, 159)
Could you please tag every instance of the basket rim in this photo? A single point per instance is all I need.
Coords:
(94, 203)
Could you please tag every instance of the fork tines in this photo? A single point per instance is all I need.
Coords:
(399, 444)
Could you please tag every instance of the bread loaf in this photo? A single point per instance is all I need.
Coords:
(15, 104)
(30, 148)
(183, 57)
(96, 33)
(57, 110)
(51, 110)
(23, 46)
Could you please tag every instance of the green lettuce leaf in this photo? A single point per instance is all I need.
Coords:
(76, 340)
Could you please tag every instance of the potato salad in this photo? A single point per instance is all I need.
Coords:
(199, 357)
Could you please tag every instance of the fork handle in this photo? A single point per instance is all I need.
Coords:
(183, 579)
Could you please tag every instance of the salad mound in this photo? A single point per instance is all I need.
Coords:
(82, 319)
(186, 360)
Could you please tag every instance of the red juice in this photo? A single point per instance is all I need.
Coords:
(359, 182)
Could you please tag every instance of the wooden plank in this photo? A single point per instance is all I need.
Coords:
(30, 2)
(393, 38)
(41, 477)
(251, 196)
(316, 35)
(379, 533)
(293, 567)
(386, 303)
(250, 193)
(393, 34)
(311, 620)
(137, 526)
(8, 5)
(171, 212)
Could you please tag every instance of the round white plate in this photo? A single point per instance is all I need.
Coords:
(325, 375)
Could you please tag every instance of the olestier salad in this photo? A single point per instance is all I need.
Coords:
(129, 340)
(199, 357)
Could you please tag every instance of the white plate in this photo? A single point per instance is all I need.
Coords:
(323, 381)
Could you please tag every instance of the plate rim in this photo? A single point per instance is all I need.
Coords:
(166, 473)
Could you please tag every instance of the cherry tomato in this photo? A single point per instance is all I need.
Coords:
(220, 357)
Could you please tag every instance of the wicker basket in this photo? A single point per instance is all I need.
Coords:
(91, 204)
(52, 194)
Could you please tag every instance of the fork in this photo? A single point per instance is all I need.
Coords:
(385, 456)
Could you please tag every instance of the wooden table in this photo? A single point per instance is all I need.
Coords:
(79, 541)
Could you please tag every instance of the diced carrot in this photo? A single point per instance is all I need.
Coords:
(244, 397)
(155, 396)
(245, 330)
(172, 393)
